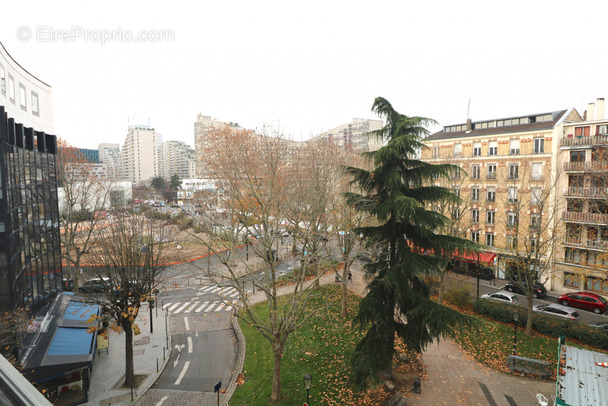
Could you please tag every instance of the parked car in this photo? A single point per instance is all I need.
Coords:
(67, 284)
(96, 285)
(585, 300)
(539, 289)
(505, 297)
(556, 310)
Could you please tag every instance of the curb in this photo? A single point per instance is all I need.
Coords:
(240, 361)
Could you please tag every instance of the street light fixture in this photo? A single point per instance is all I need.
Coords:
(307, 385)
(515, 319)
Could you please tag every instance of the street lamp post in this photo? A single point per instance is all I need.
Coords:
(515, 319)
(307, 385)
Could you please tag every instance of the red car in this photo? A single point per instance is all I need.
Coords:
(585, 300)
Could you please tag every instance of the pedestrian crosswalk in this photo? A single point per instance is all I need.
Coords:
(229, 298)
(198, 307)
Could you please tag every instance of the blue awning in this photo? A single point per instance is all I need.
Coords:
(80, 311)
(71, 341)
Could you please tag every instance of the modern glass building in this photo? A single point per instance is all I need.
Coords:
(30, 248)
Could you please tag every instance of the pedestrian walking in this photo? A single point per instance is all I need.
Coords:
(350, 276)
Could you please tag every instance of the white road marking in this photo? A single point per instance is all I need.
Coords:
(201, 308)
(174, 306)
(189, 345)
(182, 308)
(162, 400)
(228, 308)
(210, 306)
(186, 323)
(176, 361)
(220, 307)
(189, 309)
(181, 375)
(235, 294)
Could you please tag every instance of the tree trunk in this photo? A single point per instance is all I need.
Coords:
(276, 372)
(390, 335)
(344, 289)
(530, 303)
(129, 370)
(441, 286)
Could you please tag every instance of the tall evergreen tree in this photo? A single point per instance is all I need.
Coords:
(399, 192)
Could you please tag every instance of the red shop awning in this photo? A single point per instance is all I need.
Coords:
(482, 257)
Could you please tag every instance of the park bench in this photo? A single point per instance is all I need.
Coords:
(530, 365)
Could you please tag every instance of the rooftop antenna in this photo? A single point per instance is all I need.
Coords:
(469, 109)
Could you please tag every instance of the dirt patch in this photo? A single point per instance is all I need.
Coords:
(139, 379)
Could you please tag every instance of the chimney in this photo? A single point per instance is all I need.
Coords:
(599, 109)
(590, 112)
(469, 126)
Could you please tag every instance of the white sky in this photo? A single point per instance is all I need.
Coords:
(309, 66)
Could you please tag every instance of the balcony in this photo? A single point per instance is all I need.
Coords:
(586, 166)
(589, 218)
(581, 141)
(601, 245)
(491, 175)
(590, 192)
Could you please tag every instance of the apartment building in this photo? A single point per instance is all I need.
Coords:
(353, 135)
(581, 257)
(508, 184)
(207, 139)
(139, 155)
(176, 158)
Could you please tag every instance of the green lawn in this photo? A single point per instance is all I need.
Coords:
(322, 348)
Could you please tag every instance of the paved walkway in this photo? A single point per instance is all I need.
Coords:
(109, 367)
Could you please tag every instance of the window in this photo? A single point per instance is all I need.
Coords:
(475, 236)
(511, 241)
(490, 239)
(456, 173)
(577, 156)
(477, 149)
(582, 131)
(514, 147)
(491, 194)
(11, 89)
(2, 80)
(490, 214)
(457, 150)
(435, 151)
(475, 194)
(535, 196)
(535, 221)
(493, 148)
(539, 145)
(513, 171)
(35, 104)
(512, 219)
(455, 213)
(571, 280)
(597, 284)
(491, 171)
(573, 256)
(475, 216)
(512, 195)
(537, 170)
(474, 171)
(533, 245)
(22, 97)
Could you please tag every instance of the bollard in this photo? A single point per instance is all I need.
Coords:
(417, 385)
(157, 362)
(131, 393)
(163, 353)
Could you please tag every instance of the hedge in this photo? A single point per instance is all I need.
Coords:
(547, 325)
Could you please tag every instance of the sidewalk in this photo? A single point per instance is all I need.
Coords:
(109, 367)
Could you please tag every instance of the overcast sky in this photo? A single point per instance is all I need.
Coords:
(303, 67)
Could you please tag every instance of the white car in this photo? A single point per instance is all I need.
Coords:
(505, 297)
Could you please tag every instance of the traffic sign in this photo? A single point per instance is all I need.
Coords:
(217, 387)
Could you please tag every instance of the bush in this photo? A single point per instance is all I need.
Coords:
(459, 296)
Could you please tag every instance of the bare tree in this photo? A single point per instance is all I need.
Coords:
(129, 253)
(84, 197)
(531, 227)
(264, 195)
